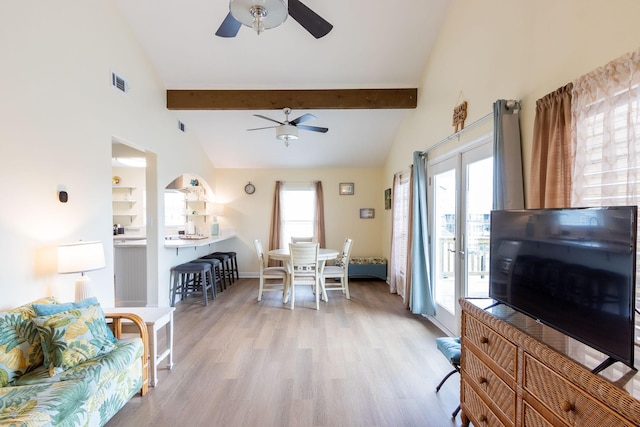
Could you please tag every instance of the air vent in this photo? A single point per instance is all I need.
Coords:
(182, 126)
(119, 83)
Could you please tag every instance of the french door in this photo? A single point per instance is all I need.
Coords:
(460, 200)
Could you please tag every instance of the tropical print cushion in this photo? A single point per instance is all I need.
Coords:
(20, 349)
(71, 337)
(86, 395)
(49, 309)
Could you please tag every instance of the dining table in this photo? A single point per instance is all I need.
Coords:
(324, 255)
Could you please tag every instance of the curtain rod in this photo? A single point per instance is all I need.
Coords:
(511, 103)
(457, 134)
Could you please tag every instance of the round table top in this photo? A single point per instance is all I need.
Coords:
(283, 254)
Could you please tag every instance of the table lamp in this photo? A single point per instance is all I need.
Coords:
(81, 257)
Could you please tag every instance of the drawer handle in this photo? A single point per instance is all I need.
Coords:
(484, 340)
(483, 419)
(567, 406)
(483, 380)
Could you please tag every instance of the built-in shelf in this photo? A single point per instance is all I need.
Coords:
(123, 187)
(129, 215)
(123, 202)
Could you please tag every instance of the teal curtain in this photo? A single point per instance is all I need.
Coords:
(508, 184)
(421, 300)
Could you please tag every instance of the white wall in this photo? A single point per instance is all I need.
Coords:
(510, 49)
(58, 117)
(250, 215)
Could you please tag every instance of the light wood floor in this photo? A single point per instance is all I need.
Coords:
(240, 363)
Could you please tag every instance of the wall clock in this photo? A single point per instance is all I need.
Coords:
(249, 188)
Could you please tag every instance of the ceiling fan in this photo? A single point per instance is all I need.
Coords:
(265, 14)
(288, 130)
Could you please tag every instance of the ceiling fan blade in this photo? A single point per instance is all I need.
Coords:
(268, 118)
(229, 27)
(303, 118)
(313, 128)
(268, 127)
(311, 21)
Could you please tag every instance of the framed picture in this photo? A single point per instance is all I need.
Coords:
(346, 188)
(387, 199)
(367, 213)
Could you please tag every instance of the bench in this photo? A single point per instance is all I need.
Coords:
(368, 267)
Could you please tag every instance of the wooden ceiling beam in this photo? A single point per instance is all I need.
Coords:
(321, 99)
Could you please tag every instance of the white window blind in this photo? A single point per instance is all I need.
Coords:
(605, 138)
(608, 155)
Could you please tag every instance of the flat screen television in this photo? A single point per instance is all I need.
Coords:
(572, 269)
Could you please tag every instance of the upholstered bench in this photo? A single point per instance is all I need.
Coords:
(368, 267)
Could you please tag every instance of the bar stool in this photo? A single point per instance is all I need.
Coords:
(233, 264)
(216, 272)
(190, 278)
(225, 262)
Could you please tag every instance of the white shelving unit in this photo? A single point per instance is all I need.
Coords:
(196, 205)
(122, 203)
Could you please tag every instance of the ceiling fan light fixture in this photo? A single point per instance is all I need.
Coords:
(287, 133)
(259, 14)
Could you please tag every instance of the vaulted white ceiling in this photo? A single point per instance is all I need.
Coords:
(373, 44)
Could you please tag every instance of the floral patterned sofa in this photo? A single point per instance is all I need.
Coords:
(61, 365)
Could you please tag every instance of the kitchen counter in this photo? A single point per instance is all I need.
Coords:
(191, 243)
(122, 241)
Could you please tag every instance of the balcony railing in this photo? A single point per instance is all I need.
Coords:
(477, 258)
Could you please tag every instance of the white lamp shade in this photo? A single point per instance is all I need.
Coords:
(80, 257)
(287, 132)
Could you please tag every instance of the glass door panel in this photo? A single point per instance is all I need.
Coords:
(479, 201)
(445, 240)
(461, 198)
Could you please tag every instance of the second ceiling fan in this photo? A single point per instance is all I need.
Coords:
(265, 14)
(288, 130)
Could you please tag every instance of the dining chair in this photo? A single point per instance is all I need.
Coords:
(301, 239)
(338, 271)
(270, 274)
(304, 269)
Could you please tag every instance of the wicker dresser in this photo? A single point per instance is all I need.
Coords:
(517, 372)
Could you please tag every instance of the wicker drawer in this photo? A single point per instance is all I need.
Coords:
(501, 351)
(476, 409)
(486, 380)
(566, 401)
(533, 419)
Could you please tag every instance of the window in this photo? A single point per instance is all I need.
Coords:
(606, 136)
(174, 209)
(610, 154)
(298, 206)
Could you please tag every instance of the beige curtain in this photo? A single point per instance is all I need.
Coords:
(407, 301)
(551, 164)
(606, 133)
(396, 273)
(319, 225)
(276, 223)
